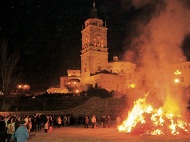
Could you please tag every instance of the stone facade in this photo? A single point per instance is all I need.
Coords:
(96, 70)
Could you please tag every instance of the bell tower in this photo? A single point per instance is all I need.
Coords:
(94, 52)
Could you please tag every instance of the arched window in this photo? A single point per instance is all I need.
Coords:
(102, 43)
(84, 69)
(98, 43)
(94, 42)
(86, 40)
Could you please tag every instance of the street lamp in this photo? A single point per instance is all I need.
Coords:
(23, 87)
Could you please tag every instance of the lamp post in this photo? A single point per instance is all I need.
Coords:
(23, 88)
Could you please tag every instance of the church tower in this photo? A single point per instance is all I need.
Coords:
(94, 52)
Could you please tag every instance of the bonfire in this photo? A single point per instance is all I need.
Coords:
(145, 119)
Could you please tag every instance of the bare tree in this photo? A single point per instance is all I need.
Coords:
(8, 64)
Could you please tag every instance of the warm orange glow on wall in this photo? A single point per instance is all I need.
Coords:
(176, 80)
(132, 85)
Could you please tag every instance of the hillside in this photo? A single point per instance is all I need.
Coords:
(100, 106)
(72, 105)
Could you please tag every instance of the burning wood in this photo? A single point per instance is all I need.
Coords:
(143, 118)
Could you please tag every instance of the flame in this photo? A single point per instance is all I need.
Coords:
(161, 121)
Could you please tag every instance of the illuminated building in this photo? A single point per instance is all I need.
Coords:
(97, 71)
(95, 68)
(181, 73)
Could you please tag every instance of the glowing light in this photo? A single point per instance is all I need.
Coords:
(176, 80)
(177, 72)
(132, 85)
(159, 121)
(23, 87)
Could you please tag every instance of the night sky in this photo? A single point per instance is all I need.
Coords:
(48, 32)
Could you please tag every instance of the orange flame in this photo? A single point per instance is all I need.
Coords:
(161, 121)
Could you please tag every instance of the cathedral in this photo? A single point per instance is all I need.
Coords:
(97, 71)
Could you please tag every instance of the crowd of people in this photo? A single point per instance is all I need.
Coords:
(19, 128)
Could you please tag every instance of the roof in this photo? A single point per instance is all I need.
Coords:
(104, 72)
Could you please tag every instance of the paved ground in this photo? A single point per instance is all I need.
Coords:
(81, 134)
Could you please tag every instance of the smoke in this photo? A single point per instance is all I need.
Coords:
(158, 45)
(140, 3)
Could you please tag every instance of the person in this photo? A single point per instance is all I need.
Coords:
(6, 124)
(39, 122)
(93, 120)
(50, 123)
(10, 128)
(59, 121)
(103, 120)
(108, 121)
(118, 120)
(29, 124)
(34, 124)
(46, 126)
(65, 120)
(21, 134)
(17, 122)
(26, 119)
(86, 121)
(2, 129)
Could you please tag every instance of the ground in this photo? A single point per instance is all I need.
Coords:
(98, 134)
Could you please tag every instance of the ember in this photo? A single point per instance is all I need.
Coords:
(144, 118)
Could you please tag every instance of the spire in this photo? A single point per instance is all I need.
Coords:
(94, 11)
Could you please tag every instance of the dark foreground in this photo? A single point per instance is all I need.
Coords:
(80, 134)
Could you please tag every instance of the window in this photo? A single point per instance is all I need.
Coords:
(99, 68)
(98, 44)
(86, 40)
(102, 43)
(94, 42)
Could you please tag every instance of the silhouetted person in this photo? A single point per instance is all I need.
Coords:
(108, 121)
(86, 122)
(2, 129)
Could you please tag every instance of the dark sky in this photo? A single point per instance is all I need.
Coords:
(48, 33)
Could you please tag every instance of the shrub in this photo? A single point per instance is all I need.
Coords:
(99, 92)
